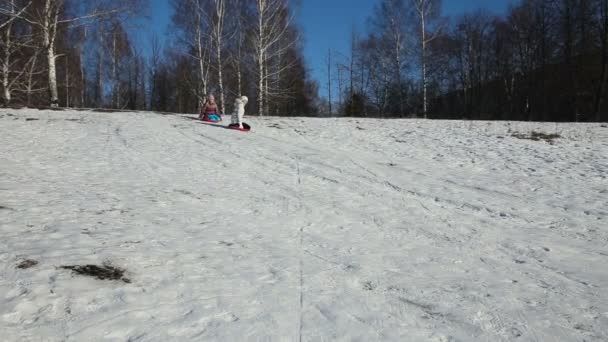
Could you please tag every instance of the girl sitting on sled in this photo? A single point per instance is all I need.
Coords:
(209, 110)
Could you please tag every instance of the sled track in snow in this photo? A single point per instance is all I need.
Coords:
(301, 263)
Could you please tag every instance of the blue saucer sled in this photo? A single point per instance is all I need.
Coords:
(211, 118)
(246, 127)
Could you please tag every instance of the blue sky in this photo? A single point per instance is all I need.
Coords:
(328, 23)
(160, 16)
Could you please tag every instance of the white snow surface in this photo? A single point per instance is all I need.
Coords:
(301, 230)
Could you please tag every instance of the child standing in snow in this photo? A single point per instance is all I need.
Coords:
(209, 110)
(239, 111)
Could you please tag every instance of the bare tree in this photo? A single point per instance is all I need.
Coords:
(329, 79)
(273, 22)
(121, 54)
(14, 62)
(602, 30)
(32, 84)
(7, 47)
(154, 70)
(217, 33)
(82, 37)
(427, 11)
(49, 21)
(194, 29)
(239, 35)
(340, 79)
(346, 66)
(201, 52)
(392, 23)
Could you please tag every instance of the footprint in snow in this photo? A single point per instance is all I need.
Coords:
(351, 268)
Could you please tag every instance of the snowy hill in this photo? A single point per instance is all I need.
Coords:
(301, 230)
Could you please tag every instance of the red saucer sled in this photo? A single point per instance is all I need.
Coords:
(246, 127)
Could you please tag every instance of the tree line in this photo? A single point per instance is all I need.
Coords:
(74, 53)
(543, 60)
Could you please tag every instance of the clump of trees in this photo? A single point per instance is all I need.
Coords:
(544, 60)
(239, 47)
(50, 50)
(76, 53)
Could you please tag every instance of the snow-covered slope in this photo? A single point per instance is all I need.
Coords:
(301, 230)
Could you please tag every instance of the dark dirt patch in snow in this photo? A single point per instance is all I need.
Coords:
(105, 272)
(27, 263)
(368, 286)
(537, 136)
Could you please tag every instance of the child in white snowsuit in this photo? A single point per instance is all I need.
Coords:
(239, 111)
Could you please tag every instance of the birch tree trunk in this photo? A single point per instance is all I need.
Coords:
(266, 92)
(7, 59)
(115, 90)
(239, 33)
(218, 32)
(67, 82)
(200, 54)
(261, 85)
(262, 4)
(423, 62)
(49, 33)
(427, 10)
(239, 75)
(30, 78)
